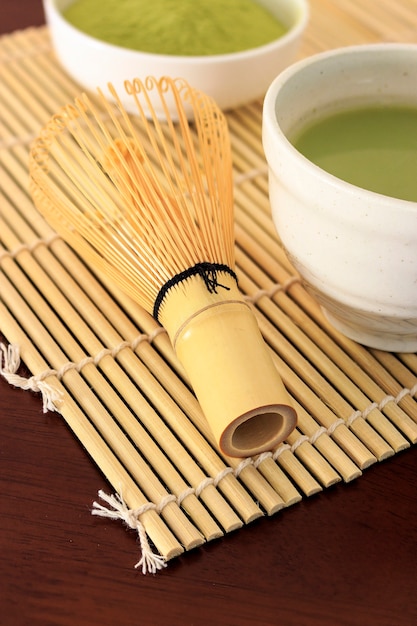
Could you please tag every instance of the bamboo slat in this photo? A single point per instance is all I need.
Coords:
(121, 389)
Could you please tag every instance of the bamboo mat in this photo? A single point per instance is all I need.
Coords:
(109, 370)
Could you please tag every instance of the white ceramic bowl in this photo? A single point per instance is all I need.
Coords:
(355, 249)
(231, 79)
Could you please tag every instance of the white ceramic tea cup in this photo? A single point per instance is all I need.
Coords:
(355, 249)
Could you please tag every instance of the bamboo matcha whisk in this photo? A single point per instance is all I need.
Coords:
(148, 199)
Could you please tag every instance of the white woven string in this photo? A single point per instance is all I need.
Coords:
(29, 247)
(250, 175)
(276, 288)
(9, 365)
(149, 561)
(10, 361)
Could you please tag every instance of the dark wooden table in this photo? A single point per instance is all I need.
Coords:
(345, 557)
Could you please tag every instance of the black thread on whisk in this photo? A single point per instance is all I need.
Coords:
(207, 271)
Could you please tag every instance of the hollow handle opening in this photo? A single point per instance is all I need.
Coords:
(233, 376)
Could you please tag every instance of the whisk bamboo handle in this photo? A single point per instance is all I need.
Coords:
(217, 339)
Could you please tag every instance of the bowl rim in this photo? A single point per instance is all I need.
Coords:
(271, 127)
(292, 33)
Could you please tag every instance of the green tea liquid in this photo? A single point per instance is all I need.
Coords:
(372, 147)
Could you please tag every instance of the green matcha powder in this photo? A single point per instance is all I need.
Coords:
(177, 27)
